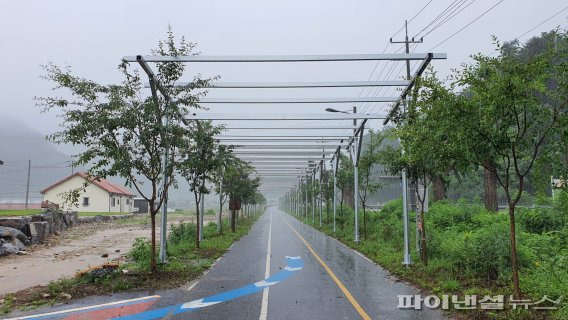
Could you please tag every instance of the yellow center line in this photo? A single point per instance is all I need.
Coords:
(338, 282)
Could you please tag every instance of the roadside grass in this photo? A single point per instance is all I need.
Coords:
(17, 213)
(468, 253)
(186, 263)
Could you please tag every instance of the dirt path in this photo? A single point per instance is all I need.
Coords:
(79, 248)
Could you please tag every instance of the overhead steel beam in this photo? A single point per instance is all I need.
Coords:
(406, 91)
(281, 153)
(266, 158)
(323, 136)
(290, 58)
(236, 140)
(290, 128)
(279, 164)
(293, 85)
(287, 147)
(296, 100)
(307, 116)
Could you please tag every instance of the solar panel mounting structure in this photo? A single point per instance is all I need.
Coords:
(279, 151)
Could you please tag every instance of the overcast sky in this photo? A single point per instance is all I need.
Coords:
(92, 37)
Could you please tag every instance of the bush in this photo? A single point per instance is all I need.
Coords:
(539, 220)
(141, 252)
(182, 231)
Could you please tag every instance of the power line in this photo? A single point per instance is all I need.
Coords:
(467, 25)
(449, 17)
(411, 19)
(440, 15)
(543, 22)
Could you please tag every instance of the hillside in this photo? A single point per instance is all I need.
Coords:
(18, 144)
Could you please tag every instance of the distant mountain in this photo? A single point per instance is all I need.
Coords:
(18, 144)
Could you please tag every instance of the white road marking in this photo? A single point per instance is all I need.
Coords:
(110, 304)
(264, 305)
(263, 283)
(198, 304)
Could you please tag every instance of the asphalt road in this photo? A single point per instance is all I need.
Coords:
(340, 284)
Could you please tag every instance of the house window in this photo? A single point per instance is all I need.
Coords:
(113, 202)
(85, 201)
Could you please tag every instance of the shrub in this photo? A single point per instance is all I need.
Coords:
(182, 231)
(141, 252)
(539, 220)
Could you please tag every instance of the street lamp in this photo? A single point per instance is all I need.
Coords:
(355, 159)
(334, 110)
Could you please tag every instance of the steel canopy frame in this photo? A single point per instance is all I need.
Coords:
(288, 58)
(296, 85)
(296, 100)
(354, 143)
(291, 128)
(276, 117)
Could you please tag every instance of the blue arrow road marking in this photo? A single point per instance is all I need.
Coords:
(294, 264)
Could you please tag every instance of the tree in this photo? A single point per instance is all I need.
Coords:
(122, 129)
(368, 160)
(201, 158)
(227, 159)
(507, 116)
(239, 184)
(345, 182)
(429, 152)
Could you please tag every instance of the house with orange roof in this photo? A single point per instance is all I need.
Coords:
(100, 195)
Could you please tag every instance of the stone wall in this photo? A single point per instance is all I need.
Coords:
(19, 232)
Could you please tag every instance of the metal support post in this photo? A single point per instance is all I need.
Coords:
(164, 221)
(335, 167)
(313, 197)
(320, 196)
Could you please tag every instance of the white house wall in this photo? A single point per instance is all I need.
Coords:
(99, 199)
(121, 204)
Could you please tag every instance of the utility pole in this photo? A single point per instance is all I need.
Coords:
(28, 183)
(406, 260)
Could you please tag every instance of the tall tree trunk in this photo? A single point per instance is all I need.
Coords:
(197, 212)
(153, 212)
(349, 198)
(220, 217)
(439, 187)
(423, 252)
(490, 186)
(364, 221)
(327, 210)
(516, 288)
(233, 220)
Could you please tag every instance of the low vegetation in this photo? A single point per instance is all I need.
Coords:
(17, 213)
(469, 251)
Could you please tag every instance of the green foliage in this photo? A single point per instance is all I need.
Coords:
(469, 251)
(141, 252)
(8, 304)
(182, 231)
